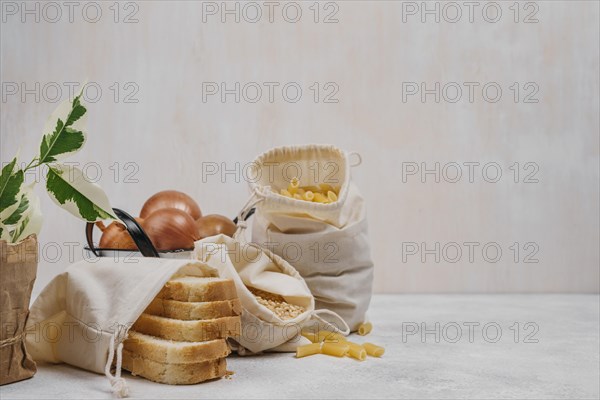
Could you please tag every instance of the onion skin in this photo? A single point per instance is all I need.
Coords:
(171, 229)
(214, 224)
(171, 199)
(115, 236)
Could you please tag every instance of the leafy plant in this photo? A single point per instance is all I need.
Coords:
(64, 134)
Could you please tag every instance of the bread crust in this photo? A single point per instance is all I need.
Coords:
(173, 374)
(188, 331)
(167, 351)
(194, 310)
(197, 289)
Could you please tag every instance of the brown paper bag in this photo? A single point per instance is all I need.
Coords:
(18, 267)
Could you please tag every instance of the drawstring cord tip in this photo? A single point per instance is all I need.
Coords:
(119, 388)
(118, 384)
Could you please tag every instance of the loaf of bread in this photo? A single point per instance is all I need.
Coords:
(194, 310)
(180, 337)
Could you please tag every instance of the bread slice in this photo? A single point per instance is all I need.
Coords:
(173, 374)
(188, 331)
(167, 351)
(196, 310)
(194, 288)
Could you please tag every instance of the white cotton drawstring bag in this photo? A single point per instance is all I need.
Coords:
(327, 243)
(83, 315)
(249, 265)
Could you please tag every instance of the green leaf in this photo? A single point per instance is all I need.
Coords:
(18, 232)
(68, 187)
(5, 233)
(17, 214)
(32, 219)
(67, 134)
(7, 171)
(10, 185)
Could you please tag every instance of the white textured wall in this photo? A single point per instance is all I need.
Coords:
(368, 53)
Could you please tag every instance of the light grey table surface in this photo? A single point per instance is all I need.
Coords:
(555, 356)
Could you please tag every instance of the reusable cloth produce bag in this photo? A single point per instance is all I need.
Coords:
(327, 243)
(249, 265)
(18, 267)
(82, 316)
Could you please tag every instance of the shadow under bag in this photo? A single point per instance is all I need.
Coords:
(327, 243)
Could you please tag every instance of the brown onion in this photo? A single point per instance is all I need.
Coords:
(115, 236)
(214, 224)
(171, 199)
(171, 229)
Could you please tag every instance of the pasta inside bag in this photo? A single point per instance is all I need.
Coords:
(324, 237)
(257, 271)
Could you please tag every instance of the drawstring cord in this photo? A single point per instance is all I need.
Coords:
(119, 386)
(254, 199)
(335, 328)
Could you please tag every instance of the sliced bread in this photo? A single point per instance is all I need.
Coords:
(167, 351)
(188, 331)
(173, 374)
(193, 288)
(194, 310)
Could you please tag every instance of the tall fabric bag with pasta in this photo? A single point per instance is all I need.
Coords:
(327, 242)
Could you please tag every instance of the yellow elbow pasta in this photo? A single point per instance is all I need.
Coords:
(324, 336)
(335, 344)
(320, 198)
(312, 336)
(308, 195)
(334, 349)
(325, 187)
(308, 350)
(295, 182)
(331, 196)
(293, 186)
(355, 350)
(323, 193)
(312, 188)
(365, 328)
(373, 350)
